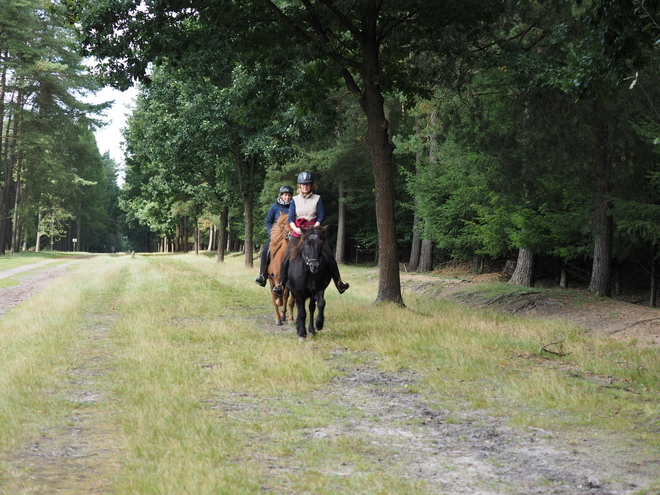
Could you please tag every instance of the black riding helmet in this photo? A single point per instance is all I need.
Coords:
(286, 189)
(305, 178)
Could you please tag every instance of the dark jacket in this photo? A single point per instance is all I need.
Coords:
(274, 214)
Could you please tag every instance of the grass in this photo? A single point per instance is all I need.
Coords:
(205, 400)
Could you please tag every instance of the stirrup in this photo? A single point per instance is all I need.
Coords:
(260, 280)
(278, 290)
(342, 287)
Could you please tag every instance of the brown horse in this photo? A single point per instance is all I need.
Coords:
(279, 240)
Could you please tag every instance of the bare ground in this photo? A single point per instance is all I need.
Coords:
(456, 453)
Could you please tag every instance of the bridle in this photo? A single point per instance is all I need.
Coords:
(309, 261)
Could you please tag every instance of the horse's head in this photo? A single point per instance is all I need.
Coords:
(280, 229)
(312, 241)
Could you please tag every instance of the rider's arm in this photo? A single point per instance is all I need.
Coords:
(292, 217)
(270, 219)
(320, 213)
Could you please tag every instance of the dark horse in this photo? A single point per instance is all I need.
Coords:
(308, 277)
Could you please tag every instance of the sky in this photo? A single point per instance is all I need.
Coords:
(109, 137)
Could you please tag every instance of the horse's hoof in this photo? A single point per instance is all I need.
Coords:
(302, 339)
(278, 323)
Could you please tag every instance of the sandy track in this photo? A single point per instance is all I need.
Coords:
(30, 283)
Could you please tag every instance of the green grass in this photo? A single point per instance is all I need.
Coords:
(207, 396)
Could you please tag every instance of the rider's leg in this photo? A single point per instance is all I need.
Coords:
(334, 269)
(263, 265)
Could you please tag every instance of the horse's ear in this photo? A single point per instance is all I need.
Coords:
(324, 228)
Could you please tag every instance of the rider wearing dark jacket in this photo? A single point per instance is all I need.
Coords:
(307, 209)
(281, 206)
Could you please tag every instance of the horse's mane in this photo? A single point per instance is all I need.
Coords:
(279, 234)
(280, 228)
(297, 249)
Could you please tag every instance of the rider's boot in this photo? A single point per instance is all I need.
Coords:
(278, 290)
(336, 277)
(263, 269)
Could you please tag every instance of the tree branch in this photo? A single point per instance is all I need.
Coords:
(318, 30)
(285, 19)
(393, 23)
(343, 19)
(351, 84)
(556, 353)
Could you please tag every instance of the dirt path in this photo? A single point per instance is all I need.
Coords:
(472, 453)
(32, 283)
(80, 454)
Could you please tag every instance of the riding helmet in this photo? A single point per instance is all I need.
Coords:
(305, 178)
(286, 189)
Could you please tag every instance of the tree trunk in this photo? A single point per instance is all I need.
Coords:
(52, 229)
(478, 264)
(248, 205)
(654, 282)
(245, 167)
(222, 234)
(211, 237)
(79, 232)
(563, 278)
(382, 156)
(426, 252)
(9, 158)
(37, 246)
(196, 233)
(17, 197)
(416, 244)
(425, 256)
(602, 263)
(3, 143)
(340, 249)
(524, 272)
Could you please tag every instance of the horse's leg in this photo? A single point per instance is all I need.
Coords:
(288, 302)
(320, 302)
(312, 308)
(276, 302)
(302, 314)
(292, 302)
(278, 317)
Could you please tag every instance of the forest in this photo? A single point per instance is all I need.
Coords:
(57, 191)
(510, 135)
